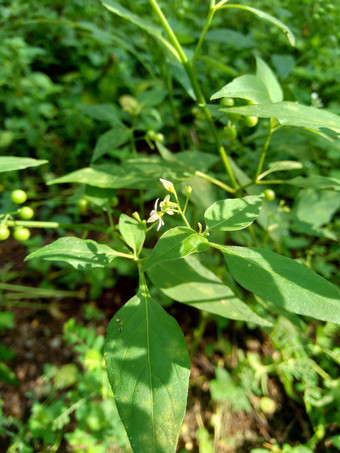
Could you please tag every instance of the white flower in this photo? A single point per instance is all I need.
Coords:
(166, 205)
(155, 216)
(165, 208)
(168, 185)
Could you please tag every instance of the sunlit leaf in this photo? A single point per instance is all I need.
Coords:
(148, 368)
(80, 253)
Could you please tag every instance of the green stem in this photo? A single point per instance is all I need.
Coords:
(181, 212)
(264, 151)
(204, 31)
(38, 224)
(215, 181)
(195, 86)
(41, 292)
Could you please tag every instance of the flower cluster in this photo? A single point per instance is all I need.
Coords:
(165, 207)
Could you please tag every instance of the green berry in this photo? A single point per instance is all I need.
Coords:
(26, 212)
(230, 133)
(21, 234)
(251, 121)
(82, 204)
(269, 195)
(267, 405)
(18, 196)
(4, 233)
(228, 102)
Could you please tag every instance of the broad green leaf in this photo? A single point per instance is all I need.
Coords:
(136, 173)
(174, 244)
(110, 141)
(191, 283)
(132, 232)
(284, 282)
(283, 165)
(101, 112)
(80, 253)
(100, 197)
(150, 28)
(316, 182)
(293, 114)
(245, 87)
(266, 17)
(266, 75)
(10, 163)
(233, 214)
(148, 368)
(315, 207)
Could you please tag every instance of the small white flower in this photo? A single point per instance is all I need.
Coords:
(168, 185)
(166, 205)
(155, 216)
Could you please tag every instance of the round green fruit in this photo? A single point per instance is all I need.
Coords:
(267, 405)
(4, 233)
(26, 212)
(82, 204)
(269, 195)
(230, 133)
(18, 196)
(228, 102)
(21, 234)
(251, 121)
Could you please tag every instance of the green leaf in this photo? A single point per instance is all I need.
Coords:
(293, 114)
(132, 232)
(264, 73)
(233, 214)
(80, 253)
(191, 283)
(110, 141)
(266, 17)
(136, 173)
(148, 368)
(150, 28)
(284, 282)
(245, 87)
(101, 112)
(176, 243)
(283, 165)
(316, 182)
(10, 163)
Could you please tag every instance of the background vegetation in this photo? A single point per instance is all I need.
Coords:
(81, 86)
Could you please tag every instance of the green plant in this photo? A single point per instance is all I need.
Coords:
(146, 355)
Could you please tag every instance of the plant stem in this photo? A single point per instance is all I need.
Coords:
(215, 181)
(38, 224)
(264, 151)
(195, 86)
(204, 31)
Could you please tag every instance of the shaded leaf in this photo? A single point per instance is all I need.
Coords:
(283, 165)
(111, 140)
(80, 253)
(284, 282)
(176, 243)
(292, 114)
(245, 87)
(316, 182)
(233, 214)
(189, 282)
(286, 30)
(10, 163)
(148, 368)
(266, 75)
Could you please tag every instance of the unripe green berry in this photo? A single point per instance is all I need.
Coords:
(21, 234)
(4, 233)
(18, 196)
(269, 195)
(26, 212)
(230, 133)
(267, 405)
(251, 121)
(228, 102)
